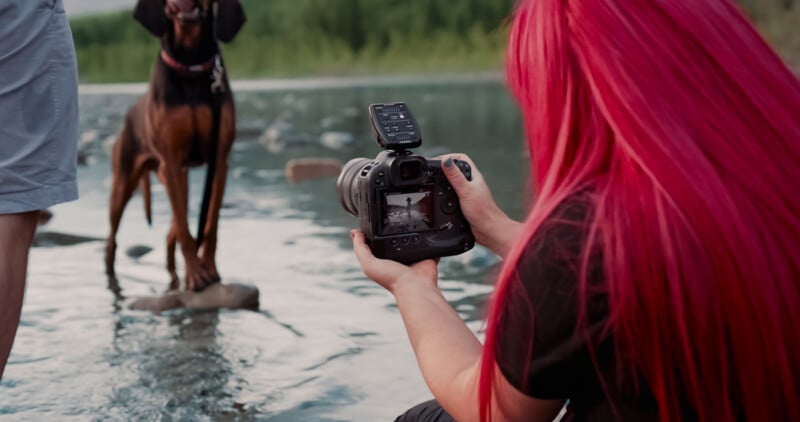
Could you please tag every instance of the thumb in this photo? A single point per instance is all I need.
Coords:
(454, 176)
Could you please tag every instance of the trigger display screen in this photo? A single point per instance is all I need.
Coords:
(395, 125)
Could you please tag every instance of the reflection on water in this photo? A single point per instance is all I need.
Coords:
(327, 345)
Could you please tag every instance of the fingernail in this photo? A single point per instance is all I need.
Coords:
(448, 163)
(352, 234)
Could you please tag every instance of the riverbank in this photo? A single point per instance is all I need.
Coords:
(309, 84)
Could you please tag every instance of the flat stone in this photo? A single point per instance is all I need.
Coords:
(303, 169)
(215, 296)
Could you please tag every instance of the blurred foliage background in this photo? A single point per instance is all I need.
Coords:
(293, 38)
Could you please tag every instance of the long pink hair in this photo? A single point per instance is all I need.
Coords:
(687, 126)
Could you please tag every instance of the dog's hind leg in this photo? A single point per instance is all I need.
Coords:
(122, 188)
(146, 197)
(172, 238)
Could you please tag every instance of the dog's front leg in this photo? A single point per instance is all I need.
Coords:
(227, 136)
(208, 249)
(176, 181)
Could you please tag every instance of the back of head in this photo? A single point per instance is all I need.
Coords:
(684, 122)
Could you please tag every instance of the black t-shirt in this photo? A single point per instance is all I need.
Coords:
(545, 297)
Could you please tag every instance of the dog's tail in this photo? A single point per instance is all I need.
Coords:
(148, 212)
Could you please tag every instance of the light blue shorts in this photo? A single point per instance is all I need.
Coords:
(38, 106)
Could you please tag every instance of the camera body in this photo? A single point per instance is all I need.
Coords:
(406, 208)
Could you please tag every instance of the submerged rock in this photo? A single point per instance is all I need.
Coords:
(478, 260)
(281, 135)
(54, 239)
(336, 140)
(90, 147)
(138, 251)
(248, 132)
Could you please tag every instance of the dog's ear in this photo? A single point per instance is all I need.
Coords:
(152, 15)
(231, 19)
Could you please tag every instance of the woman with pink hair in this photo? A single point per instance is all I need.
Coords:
(657, 276)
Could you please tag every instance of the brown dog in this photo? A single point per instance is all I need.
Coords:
(173, 127)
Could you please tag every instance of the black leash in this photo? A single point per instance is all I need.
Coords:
(217, 92)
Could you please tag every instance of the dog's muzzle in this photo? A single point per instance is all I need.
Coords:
(190, 18)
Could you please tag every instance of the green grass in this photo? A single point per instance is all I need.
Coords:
(297, 38)
(132, 61)
(782, 29)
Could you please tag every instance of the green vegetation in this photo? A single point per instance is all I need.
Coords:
(292, 38)
(779, 21)
(288, 38)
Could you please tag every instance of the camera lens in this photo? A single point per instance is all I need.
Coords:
(410, 170)
(346, 184)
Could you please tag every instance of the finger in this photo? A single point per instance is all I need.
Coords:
(455, 176)
(363, 253)
(460, 157)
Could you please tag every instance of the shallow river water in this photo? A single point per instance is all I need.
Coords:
(326, 345)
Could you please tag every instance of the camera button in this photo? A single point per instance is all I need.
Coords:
(449, 205)
(395, 242)
(415, 239)
(406, 240)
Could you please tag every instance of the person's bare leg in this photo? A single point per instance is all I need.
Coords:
(16, 236)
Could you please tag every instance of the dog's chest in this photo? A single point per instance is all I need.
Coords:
(201, 141)
(192, 90)
(185, 133)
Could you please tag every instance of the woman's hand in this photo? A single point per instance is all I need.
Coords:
(491, 226)
(390, 274)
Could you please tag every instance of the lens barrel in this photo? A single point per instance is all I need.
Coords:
(346, 184)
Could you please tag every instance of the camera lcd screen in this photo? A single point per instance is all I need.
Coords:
(407, 212)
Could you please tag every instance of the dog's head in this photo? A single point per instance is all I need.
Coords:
(189, 19)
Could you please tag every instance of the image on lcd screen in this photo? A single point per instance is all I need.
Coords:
(407, 212)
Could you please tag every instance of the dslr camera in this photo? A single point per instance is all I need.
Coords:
(406, 208)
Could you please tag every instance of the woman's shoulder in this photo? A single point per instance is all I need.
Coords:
(566, 228)
(576, 207)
